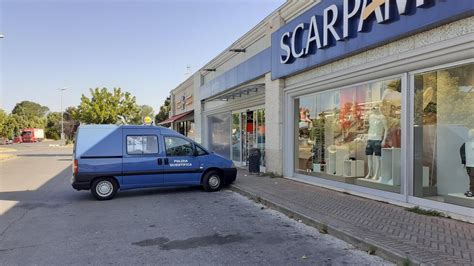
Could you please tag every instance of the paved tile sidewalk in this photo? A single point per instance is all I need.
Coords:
(395, 233)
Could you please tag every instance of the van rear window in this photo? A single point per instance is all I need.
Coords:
(142, 145)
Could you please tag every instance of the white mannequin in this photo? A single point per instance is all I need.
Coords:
(378, 130)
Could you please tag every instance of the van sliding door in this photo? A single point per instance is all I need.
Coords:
(141, 160)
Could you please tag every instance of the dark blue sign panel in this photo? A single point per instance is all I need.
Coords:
(251, 69)
(334, 29)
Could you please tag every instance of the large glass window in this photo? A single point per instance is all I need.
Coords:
(352, 134)
(444, 135)
(248, 132)
(219, 134)
(185, 128)
(236, 137)
(142, 144)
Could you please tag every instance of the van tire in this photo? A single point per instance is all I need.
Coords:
(100, 186)
(212, 181)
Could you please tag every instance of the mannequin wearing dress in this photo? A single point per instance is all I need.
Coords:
(378, 129)
(467, 159)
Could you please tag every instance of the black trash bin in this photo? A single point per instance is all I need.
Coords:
(254, 161)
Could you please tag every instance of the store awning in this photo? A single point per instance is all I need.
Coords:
(239, 93)
(175, 118)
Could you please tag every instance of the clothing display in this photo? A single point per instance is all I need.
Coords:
(377, 134)
(467, 159)
(470, 173)
(373, 147)
(377, 126)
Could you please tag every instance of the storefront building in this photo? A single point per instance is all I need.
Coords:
(375, 99)
(182, 109)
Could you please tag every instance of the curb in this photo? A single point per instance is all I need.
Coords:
(362, 244)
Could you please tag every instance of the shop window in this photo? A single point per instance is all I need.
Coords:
(219, 134)
(444, 135)
(352, 135)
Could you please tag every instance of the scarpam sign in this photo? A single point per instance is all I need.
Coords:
(334, 29)
(334, 25)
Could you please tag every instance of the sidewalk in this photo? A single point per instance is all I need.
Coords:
(388, 230)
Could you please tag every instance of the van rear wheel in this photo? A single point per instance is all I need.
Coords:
(104, 188)
(212, 181)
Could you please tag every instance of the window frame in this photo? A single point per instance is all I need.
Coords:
(291, 102)
(178, 137)
(143, 154)
(410, 195)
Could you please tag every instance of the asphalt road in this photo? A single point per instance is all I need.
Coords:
(45, 222)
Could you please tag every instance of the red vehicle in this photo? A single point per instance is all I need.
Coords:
(17, 139)
(32, 135)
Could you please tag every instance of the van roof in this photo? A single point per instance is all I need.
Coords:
(108, 126)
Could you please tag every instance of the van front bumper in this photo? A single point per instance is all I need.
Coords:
(230, 174)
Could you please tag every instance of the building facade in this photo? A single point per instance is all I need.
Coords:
(181, 117)
(374, 99)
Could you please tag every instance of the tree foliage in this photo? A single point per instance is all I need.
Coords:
(70, 123)
(11, 125)
(53, 126)
(146, 110)
(3, 123)
(30, 109)
(164, 111)
(105, 107)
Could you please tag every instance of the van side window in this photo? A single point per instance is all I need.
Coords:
(200, 151)
(178, 147)
(142, 144)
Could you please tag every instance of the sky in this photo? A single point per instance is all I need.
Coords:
(142, 46)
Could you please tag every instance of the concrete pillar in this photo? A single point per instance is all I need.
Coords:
(273, 112)
(273, 124)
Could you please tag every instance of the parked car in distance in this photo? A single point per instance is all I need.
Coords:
(17, 139)
(109, 158)
(3, 141)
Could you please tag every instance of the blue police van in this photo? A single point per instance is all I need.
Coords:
(108, 158)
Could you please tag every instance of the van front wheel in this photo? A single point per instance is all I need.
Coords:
(104, 188)
(212, 181)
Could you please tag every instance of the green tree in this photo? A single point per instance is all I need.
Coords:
(22, 121)
(53, 126)
(30, 109)
(70, 123)
(146, 110)
(105, 107)
(9, 127)
(3, 123)
(164, 111)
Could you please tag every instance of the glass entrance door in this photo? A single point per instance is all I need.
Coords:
(248, 132)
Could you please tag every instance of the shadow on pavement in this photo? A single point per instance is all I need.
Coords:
(57, 192)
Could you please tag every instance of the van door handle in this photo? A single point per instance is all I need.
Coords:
(160, 161)
(167, 161)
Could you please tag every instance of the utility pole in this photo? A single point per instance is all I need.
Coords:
(62, 116)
